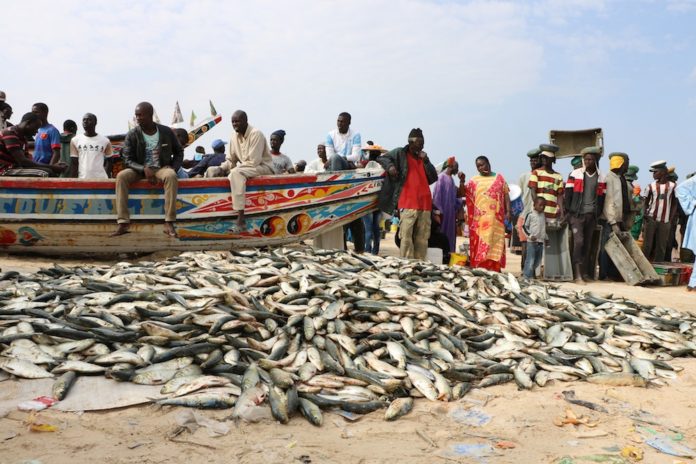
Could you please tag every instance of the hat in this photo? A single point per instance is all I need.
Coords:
(549, 147)
(533, 153)
(576, 162)
(280, 133)
(374, 148)
(591, 150)
(657, 165)
(618, 153)
(633, 169)
(548, 154)
(217, 144)
(417, 132)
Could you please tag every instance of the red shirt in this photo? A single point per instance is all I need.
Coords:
(416, 192)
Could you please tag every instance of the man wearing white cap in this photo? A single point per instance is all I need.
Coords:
(660, 210)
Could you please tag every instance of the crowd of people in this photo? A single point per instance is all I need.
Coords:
(423, 199)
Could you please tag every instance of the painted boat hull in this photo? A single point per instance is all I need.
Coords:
(69, 216)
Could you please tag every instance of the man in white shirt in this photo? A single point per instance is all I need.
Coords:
(343, 145)
(318, 164)
(88, 151)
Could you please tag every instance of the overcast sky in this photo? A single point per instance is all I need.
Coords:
(478, 77)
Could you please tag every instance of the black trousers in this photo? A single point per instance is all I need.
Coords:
(357, 232)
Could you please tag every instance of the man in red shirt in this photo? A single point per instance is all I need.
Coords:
(406, 192)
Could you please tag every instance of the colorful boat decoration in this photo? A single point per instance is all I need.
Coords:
(76, 216)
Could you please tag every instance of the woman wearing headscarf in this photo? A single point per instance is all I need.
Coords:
(446, 200)
(488, 206)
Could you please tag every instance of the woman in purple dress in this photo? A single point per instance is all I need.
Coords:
(447, 199)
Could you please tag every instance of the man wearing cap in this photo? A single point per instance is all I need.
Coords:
(447, 200)
(686, 194)
(660, 210)
(615, 211)
(210, 160)
(406, 192)
(527, 201)
(584, 202)
(318, 164)
(546, 183)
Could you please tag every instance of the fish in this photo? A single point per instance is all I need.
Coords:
(24, 369)
(62, 385)
(299, 329)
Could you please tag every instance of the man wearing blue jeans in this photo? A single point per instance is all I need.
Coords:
(535, 228)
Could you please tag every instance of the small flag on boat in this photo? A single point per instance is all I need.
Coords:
(193, 118)
(155, 117)
(177, 117)
(213, 111)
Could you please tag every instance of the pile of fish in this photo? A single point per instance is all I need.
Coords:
(306, 330)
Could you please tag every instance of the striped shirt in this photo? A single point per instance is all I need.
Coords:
(661, 197)
(549, 187)
(10, 139)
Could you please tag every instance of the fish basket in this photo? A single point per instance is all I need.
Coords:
(458, 259)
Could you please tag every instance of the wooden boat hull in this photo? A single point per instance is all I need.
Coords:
(68, 216)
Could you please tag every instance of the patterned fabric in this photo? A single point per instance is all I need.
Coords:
(660, 197)
(548, 186)
(485, 203)
(10, 139)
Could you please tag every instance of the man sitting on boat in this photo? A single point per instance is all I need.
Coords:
(14, 160)
(214, 159)
(150, 151)
(249, 156)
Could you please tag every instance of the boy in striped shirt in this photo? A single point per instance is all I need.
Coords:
(548, 184)
(660, 210)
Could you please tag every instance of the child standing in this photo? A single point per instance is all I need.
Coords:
(535, 228)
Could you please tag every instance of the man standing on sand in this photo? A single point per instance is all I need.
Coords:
(546, 183)
(47, 140)
(13, 151)
(249, 156)
(584, 202)
(660, 211)
(527, 201)
(318, 165)
(89, 151)
(617, 204)
(447, 199)
(406, 191)
(150, 151)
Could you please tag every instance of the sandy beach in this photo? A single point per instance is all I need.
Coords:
(493, 425)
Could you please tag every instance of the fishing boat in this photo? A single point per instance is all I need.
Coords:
(76, 216)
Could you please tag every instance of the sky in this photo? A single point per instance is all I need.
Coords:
(478, 77)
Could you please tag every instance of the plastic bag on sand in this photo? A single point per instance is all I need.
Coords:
(470, 450)
(192, 420)
(249, 406)
(471, 417)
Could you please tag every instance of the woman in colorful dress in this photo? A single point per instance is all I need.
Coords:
(488, 206)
